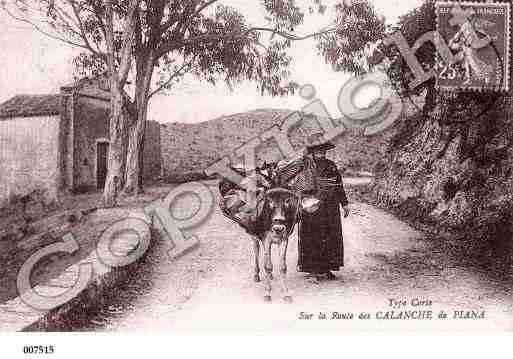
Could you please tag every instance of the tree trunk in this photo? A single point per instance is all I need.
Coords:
(141, 164)
(119, 104)
(134, 168)
(133, 161)
(117, 147)
(115, 156)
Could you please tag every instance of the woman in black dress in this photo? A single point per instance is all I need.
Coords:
(321, 248)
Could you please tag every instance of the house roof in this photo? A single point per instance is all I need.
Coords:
(31, 105)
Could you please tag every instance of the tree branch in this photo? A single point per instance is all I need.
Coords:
(203, 7)
(109, 27)
(128, 35)
(173, 17)
(96, 11)
(50, 35)
(64, 14)
(189, 13)
(138, 32)
(172, 77)
(83, 34)
(173, 45)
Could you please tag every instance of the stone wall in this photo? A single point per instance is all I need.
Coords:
(29, 157)
(91, 123)
(66, 140)
(152, 151)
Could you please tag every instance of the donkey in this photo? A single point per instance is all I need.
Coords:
(278, 213)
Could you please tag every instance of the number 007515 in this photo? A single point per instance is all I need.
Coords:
(38, 349)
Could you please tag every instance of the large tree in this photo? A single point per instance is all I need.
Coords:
(214, 42)
(203, 37)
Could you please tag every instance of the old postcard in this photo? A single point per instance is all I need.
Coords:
(343, 165)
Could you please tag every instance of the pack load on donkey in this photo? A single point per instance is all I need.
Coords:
(297, 175)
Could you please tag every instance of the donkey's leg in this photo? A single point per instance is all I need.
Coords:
(256, 252)
(268, 266)
(283, 270)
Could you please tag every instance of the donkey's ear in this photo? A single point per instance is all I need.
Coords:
(263, 209)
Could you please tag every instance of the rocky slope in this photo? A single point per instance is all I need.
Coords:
(454, 172)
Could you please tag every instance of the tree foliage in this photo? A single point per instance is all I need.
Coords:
(412, 26)
(188, 37)
(358, 28)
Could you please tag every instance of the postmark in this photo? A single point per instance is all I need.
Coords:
(478, 36)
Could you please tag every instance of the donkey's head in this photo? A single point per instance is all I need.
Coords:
(280, 210)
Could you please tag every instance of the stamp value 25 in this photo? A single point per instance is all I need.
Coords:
(478, 36)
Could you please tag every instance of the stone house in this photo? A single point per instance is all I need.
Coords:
(60, 142)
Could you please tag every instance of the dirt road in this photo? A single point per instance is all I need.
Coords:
(212, 287)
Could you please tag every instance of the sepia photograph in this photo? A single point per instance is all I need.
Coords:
(263, 165)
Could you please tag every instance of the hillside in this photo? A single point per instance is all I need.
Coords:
(454, 173)
(190, 148)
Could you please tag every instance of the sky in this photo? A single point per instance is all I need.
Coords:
(31, 63)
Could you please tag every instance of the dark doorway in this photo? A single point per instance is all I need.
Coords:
(101, 163)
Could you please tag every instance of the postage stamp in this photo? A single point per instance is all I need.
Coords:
(478, 36)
